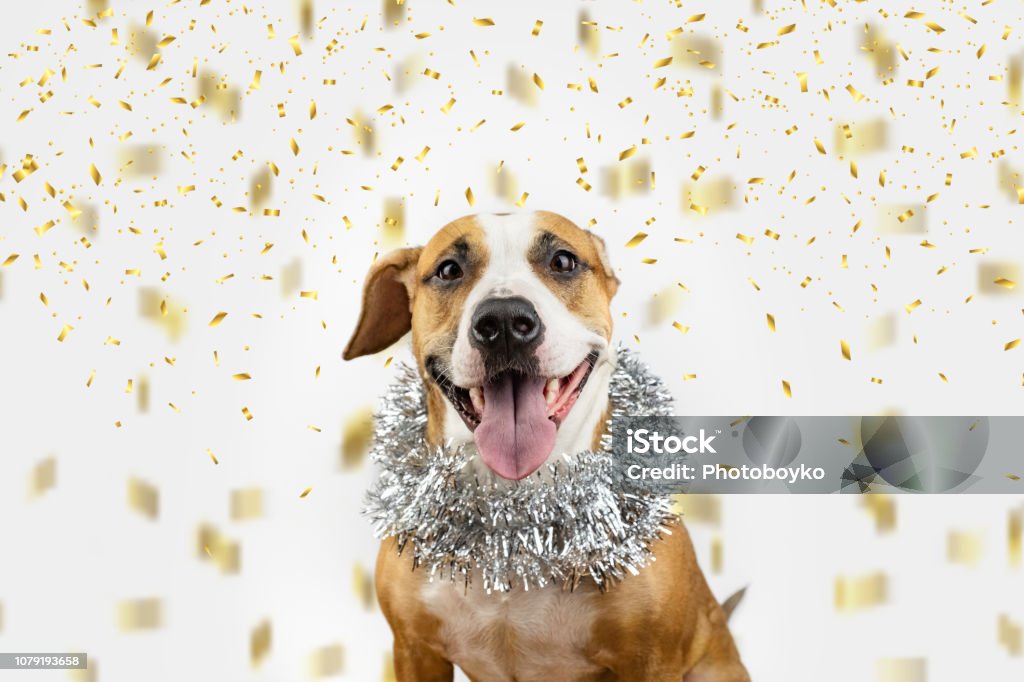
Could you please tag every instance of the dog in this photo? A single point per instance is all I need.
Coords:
(511, 328)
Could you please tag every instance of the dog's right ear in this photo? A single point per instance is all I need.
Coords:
(387, 303)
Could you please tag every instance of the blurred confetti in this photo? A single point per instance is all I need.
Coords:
(854, 593)
(246, 504)
(327, 661)
(902, 670)
(143, 498)
(44, 477)
(963, 547)
(259, 643)
(140, 614)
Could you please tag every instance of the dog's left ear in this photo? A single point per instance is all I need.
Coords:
(387, 303)
(611, 282)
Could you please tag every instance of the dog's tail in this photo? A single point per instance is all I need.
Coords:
(730, 604)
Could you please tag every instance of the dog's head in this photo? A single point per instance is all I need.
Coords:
(509, 316)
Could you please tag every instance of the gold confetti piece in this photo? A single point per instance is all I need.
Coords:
(486, 21)
(143, 498)
(1015, 533)
(213, 457)
(538, 81)
(787, 389)
(876, 380)
(259, 643)
(247, 413)
(1005, 283)
(771, 322)
(935, 27)
(626, 153)
(139, 614)
(305, 492)
(786, 29)
(636, 239)
(680, 327)
(241, 376)
(517, 126)
(536, 27)
(68, 329)
(1010, 345)
(294, 42)
(1011, 635)
(92, 376)
(802, 78)
(819, 146)
(905, 216)
(911, 306)
(857, 96)
(312, 110)
(10, 259)
(431, 73)
(901, 669)
(860, 592)
(313, 294)
(745, 239)
(294, 145)
(964, 547)
(693, 19)
(329, 661)
(970, 153)
(246, 504)
(662, 62)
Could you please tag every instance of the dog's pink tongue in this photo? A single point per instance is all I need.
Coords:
(515, 435)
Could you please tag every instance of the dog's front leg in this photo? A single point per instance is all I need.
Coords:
(415, 662)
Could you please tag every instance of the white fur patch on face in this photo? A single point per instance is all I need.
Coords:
(566, 340)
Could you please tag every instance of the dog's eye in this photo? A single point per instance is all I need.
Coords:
(563, 261)
(449, 270)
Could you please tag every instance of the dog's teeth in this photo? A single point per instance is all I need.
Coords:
(551, 390)
(476, 396)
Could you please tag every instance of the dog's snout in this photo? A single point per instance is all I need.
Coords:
(505, 326)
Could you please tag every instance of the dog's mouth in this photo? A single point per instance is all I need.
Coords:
(514, 416)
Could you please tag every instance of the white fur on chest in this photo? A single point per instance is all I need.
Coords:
(541, 634)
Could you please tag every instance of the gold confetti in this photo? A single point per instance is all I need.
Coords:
(786, 29)
(819, 146)
(469, 196)
(626, 153)
(64, 332)
(246, 504)
(305, 492)
(241, 376)
(771, 322)
(259, 643)
(964, 547)
(844, 348)
(860, 592)
(857, 96)
(1005, 283)
(787, 389)
(682, 329)
(247, 413)
(536, 27)
(95, 174)
(1010, 345)
(636, 239)
(745, 239)
(139, 614)
(143, 498)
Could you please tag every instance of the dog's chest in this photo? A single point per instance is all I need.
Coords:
(540, 634)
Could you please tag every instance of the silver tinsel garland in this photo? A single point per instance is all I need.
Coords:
(561, 524)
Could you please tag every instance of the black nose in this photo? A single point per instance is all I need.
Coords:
(505, 326)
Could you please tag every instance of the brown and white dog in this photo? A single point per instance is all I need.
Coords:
(511, 331)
